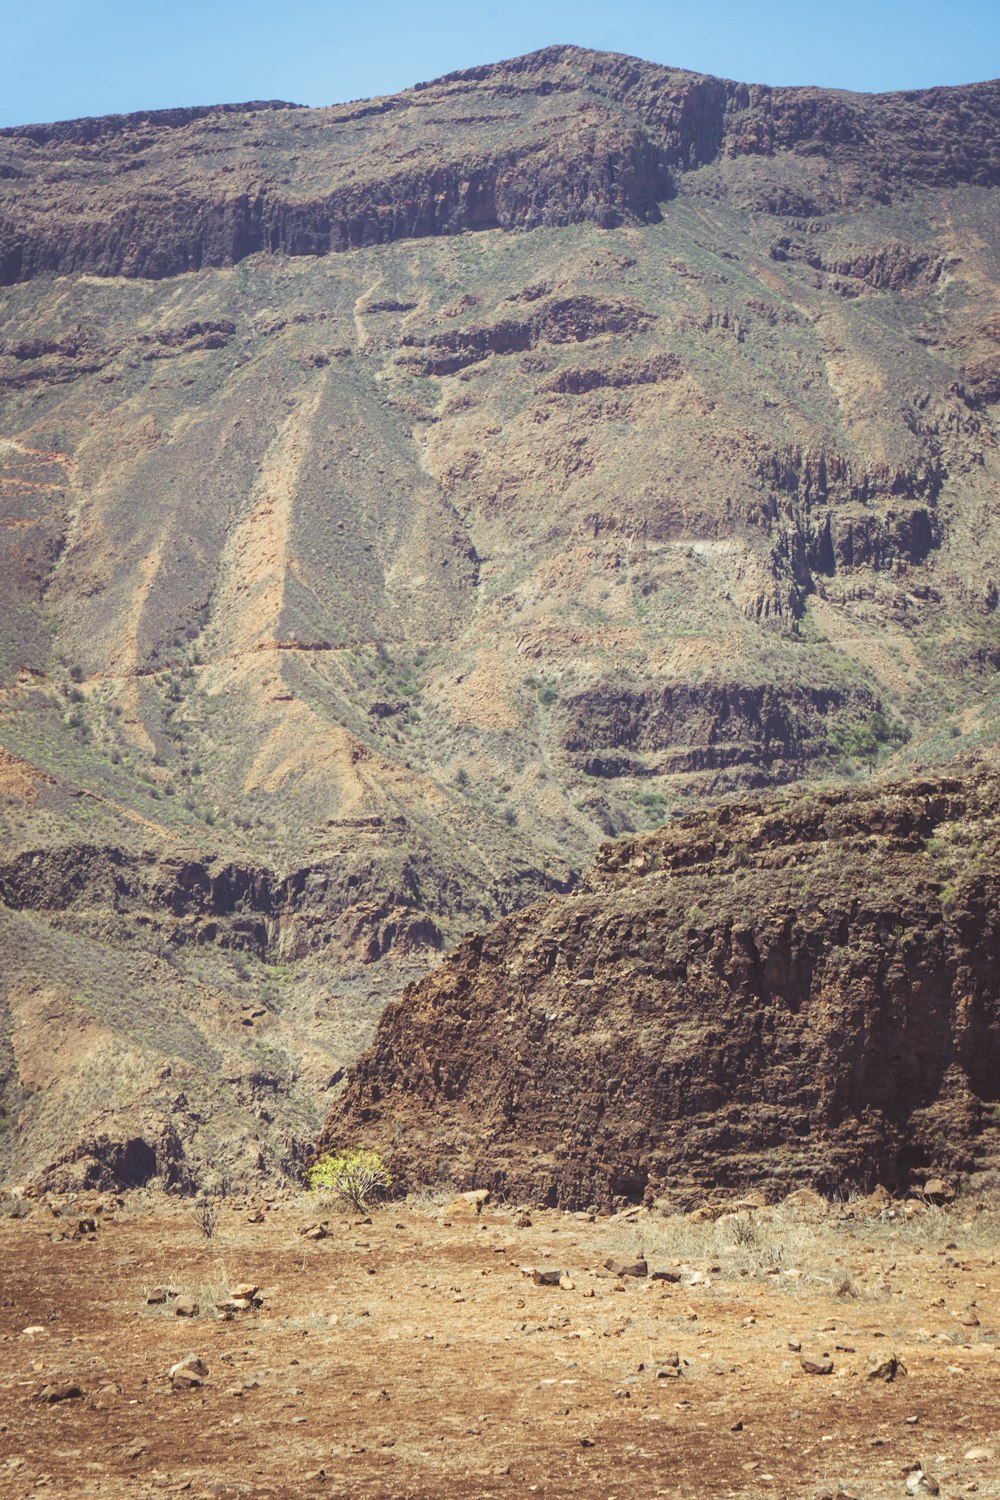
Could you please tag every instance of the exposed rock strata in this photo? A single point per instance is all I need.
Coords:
(783, 992)
(562, 136)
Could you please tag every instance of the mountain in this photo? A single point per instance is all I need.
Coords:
(398, 499)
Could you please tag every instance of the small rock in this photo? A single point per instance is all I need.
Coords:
(936, 1190)
(566, 1282)
(823, 1366)
(661, 1274)
(980, 1456)
(244, 1291)
(314, 1232)
(523, 1221)
(156, 1296)
(186, 1307)
(887, 1369)
(546, 1278)
(50, 1394)
(795, 1345)
(188, 1373)
(478, 1197)
(807, 1201)
(921, 1483)
(620, 1265)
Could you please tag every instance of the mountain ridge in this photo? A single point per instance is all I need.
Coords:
(613, 168)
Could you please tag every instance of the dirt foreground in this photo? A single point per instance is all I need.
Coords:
(412, 1356)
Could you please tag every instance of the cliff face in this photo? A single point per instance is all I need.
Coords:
(795, 991)
(562, 136)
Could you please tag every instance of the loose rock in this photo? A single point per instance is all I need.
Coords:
(620, 1265)
(823, 1366)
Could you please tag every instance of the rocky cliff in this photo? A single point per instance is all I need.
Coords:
(799, 990)
(563, 136)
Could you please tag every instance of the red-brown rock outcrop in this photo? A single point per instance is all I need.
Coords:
(799, 990)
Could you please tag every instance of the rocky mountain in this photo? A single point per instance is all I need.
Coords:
(398, 499)
(792, 991)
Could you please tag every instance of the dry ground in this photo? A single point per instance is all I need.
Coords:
(411, 1357)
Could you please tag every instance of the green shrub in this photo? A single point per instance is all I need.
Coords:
(357, 1175)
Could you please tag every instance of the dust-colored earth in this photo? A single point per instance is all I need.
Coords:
(410, 1355)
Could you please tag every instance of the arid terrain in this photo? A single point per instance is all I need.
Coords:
(401, 498)
(499, 665)
(413, 1354)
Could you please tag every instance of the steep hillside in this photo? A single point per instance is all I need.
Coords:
(800, 990)
(397, 499)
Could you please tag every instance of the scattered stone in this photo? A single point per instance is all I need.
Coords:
(546, 1278)
(936, 1190)
(620, 1265)
(795, 1345)
(314, 1232)
(107, 1395)
(707, 1213)
(188, 1373)
(980, 1455)
(244, 1291)
(523, 1221)
(86, 1227)
(157, 1296)
(478, 1197)
(662, 1274)
(823, 1366)
(806, 1201)
(566, 1282)
(50, 1394)
(186, 1307)
(877, 1201)
(921, 1483)
(887, 1369)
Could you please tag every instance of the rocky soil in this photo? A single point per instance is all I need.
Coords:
(797, 1350)
(794, 991)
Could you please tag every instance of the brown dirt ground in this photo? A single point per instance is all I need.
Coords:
(411, 1357)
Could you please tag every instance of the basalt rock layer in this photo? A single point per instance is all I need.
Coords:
(783, 992)
(560, 137)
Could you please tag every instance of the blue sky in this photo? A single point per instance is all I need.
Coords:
(64, 58)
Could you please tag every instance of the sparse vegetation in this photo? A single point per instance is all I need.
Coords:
(357, 1175)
